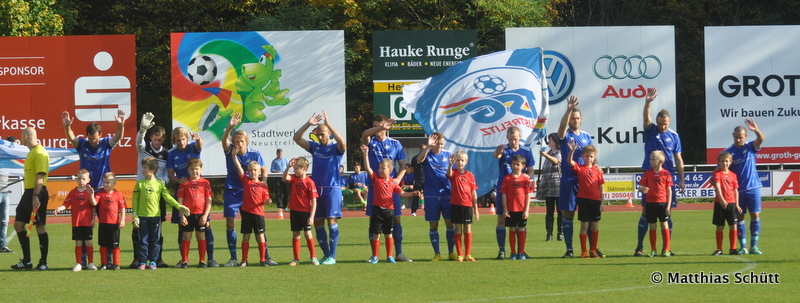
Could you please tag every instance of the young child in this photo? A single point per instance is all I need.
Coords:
(256, 194)
(464, 203)
(303, 206)
(381, 218)
(656, 184)
(726, 202)
(111, 212)
(155, 149)
(516, 192)
(82, 201)
(146, 213)
(590, 195)
(195, 194)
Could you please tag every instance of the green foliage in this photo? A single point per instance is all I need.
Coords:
(22, 18)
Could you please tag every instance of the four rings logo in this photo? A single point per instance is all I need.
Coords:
(631, 67)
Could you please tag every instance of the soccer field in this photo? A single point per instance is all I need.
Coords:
(619, 277)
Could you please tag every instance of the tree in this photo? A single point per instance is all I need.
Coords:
(29, 18)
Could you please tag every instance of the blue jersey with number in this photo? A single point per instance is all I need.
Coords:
(668, 142)
(232, 180)
(179, 159)
(435, 169)
(326, 160)
(508, 157)
(583, 140)
(95, 159)
(386, 149)
(744, 165)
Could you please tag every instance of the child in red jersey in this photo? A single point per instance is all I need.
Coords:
(516, 192)
(656, 183)
(463, 202)
(382, 217)
(303, 206)
(111, 213)
(726, 202)
(195, 194)
(256, 194)
(590, 195)
(82, 201)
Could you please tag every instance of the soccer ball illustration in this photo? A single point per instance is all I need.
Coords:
(489, 84)
(202, 70)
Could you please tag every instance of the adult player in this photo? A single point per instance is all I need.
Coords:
(658, 136)
(34, 198)
(327, 157)
(570, 130)
(744, 166)
(504, 154)
(94, 151)
(434, 161)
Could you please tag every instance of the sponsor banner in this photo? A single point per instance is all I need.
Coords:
(698, 185)
(406, 57)
(748, 75)
(787, 183)
(609, 69)
(90, 77)
(618, 187)
(276, 80)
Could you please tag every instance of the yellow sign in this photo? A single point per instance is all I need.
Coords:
(390, 87)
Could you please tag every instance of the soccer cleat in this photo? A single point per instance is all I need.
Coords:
(717, 252)
(161, 264)
(469, 258)
(403, 258)
(513, 257)
(134, 264)
(403, 206)
(243, 264)
(414, 214)
(41, 266)
(390, 259)
(329, 261)
(77, 267)
(153, 265)
(638, 252)
(263, 263)
(585, 254)
(314, 261)
(548, 238)
(453, 256)
(22, 265)
(436, 258)
(185, 265)
(599, 253)
(560, 237)
(568, 254)
(373, 260)
(6, 250)
(142, 266)
(522, 256)
(294, 263)
(213, 263)
(735, 252)
(666, 253)
(271, 262)
(501, 255)
(202, 265)
(652, 253)
(594, 254)
(113, 267)
(180, 264)
(525, 255)
(102, 267)
(754, 250)
(460, 259)
(92, 266)
(743, 251)
(231, 263)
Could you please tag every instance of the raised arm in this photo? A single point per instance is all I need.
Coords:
(432, 139)
(751, 124)
(235, 120)
(572, 145)
(67, 121)
(342, 146)
(120, 118)
(147, 123)
(572, 104)
(365, 151)
(286, 176)
(450, 167)
(298, 135)
(236, 163)
(386, 125)
(650, 97)
(198, 142)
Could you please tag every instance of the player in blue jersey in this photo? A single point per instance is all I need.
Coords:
(382, 147)
(238, 149)
(326, 157)
(658, 136)
(357, 182)
(570, 130)
(504, 155)
(434, 161)
(744, 166)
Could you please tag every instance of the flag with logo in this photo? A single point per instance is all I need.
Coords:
(474, 102)
(12, 157)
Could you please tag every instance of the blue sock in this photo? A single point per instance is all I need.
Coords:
(643, 226)
(451, 239)
(397, 234)
(231, 233)
(501, 238)
(266, 247)
(755, 229)
(322, 240)
(742, 231)
(669, 223)
(334, 239)
(210, 243)
(434, 235)
(568, 230)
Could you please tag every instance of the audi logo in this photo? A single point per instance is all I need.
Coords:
(633, 67)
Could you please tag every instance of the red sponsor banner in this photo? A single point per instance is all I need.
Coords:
(91, 77)
(788, 154)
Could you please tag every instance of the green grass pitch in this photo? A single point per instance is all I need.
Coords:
(547, 277)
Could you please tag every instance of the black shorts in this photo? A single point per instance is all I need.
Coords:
(588, 210)
(656, 212)
(381, 221)
(252, 223)
(515, 220)
(460, 214)
(194, 224)
(299, 220)
(108, 235)
(721, 216)
(25, 207)
(82, 233)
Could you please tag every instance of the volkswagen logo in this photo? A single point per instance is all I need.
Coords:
(631, 67)
(560, 76)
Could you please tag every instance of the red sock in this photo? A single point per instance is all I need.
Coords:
(522, 235)
(245, 250)
(468, 240)
(78, 253)
(666, 235)
(376, 245)
(262, 249)
(719, 239)
(458, 244)
(731, 237)
(185, 251)
(90, 253)
(311, 250)
(116, 255)
(296, 248)
(512, 241)
(652, 240)
(594, 235)
(201, 250)
(583, 242)
(389, 246)
(103, 255)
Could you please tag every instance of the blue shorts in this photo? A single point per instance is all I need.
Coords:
(397, 205)
(232, 202)
(567, 193)
(436, 205)
(674, 203)
(329, 203)
(750, 199)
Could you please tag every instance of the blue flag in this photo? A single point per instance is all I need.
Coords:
(12, 157)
